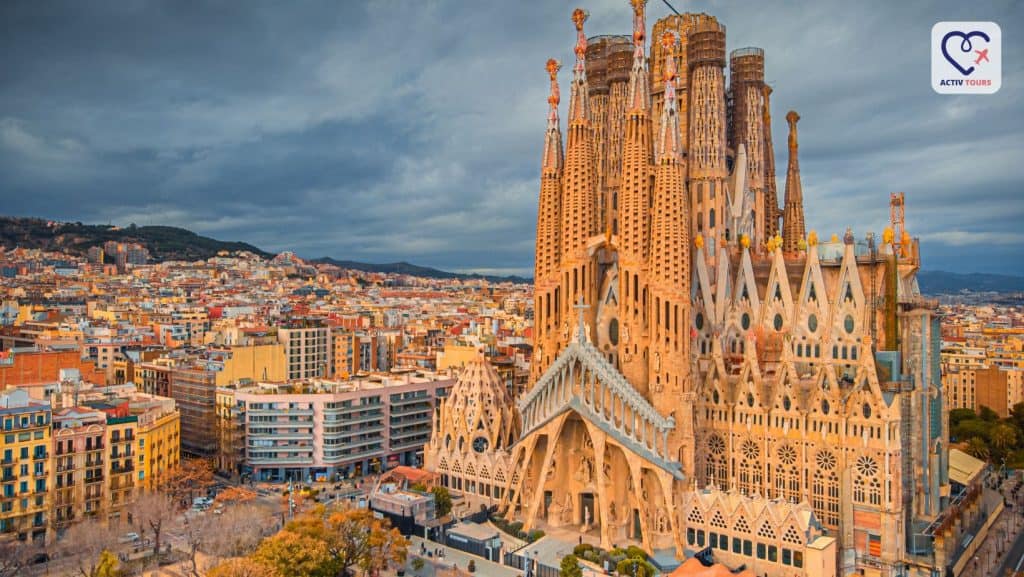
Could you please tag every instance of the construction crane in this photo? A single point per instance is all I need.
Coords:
(896, 219)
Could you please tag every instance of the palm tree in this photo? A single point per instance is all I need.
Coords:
(978, 448)
(1003, 437)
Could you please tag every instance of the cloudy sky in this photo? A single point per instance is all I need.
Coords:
(412, 130)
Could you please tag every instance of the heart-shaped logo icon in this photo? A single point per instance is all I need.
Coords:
(965, 47)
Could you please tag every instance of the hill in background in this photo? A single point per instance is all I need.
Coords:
(935, 282)
(163, 242)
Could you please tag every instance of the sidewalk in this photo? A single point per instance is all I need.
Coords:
(459, 558)
(998, 542)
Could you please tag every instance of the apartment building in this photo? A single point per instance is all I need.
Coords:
(306, 348)
(108, 449)
(24, 466)
(194, 390)
(320, 429)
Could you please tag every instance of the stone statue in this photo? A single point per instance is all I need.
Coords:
(586, 519)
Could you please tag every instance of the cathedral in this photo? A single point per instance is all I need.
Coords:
(707, 372)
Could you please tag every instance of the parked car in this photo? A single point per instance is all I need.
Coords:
(129, 538)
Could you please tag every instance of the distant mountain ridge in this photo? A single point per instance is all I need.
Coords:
(416, 270)
(163, 242)
(173, 243)
(942, 282)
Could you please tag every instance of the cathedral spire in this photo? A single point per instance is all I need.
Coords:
(793, 214)
(771, 197)
(549, 230)
(669, 149)
(669, 261)
(639, 95)
(578, 98)
(553, 139)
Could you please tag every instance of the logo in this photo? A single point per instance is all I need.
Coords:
(966, 58)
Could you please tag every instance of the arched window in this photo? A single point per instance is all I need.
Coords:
(711, 218)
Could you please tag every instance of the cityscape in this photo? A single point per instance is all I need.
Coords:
(700, 375)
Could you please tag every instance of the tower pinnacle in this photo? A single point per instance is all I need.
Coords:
(638, 85)
(578, 98)
(553, 140)
(668, 138)
(793, 214)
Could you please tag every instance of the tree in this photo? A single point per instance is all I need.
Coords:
(233, 495)
(1017, 415)
(353, 537)
(1003, 437)
(241, 567)
(153, 513)
(635, 567)
(293, 554)
(570, 567)
(442, 500)
(988, 414)
(83, 544)
(108, 565)
(236, 533)
(956, 416)
(977, 448)
(188, 478)
(471, 567)
(16, 555)
(417, 564)
(387, 547)
(973, 428)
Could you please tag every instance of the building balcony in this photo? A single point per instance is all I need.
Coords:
(282, 436)
(363, 442)
(409, 444)
(280, 412)
(353, 408)
(281, 461)
(95, 479)
(410, 422)
(410, 400)
(422, 407)
(8, 478)
(355, 431)
(352, 456)
(40, 456)
(423, 432)
(357, 420)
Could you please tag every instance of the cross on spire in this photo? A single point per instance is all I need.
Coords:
(581, 334)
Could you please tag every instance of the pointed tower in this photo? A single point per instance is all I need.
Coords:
(793, 215)
(608, 63)
(549, 247)
(634, 213)
(669, 260)
(579, 194)
(771, 194)
(746, 85)
(706, 162)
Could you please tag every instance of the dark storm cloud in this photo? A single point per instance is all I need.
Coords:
(412, 130)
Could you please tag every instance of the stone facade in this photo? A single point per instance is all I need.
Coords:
(476, 425)
(687, 352)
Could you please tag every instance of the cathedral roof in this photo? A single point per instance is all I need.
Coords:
(479, 406)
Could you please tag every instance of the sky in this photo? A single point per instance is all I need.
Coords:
(412, 130)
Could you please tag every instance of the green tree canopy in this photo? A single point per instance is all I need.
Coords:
(570, 567)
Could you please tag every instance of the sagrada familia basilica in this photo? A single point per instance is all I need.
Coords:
(706, 372)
